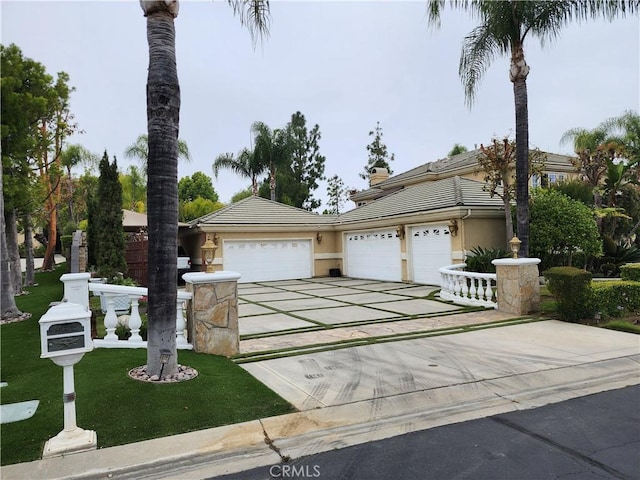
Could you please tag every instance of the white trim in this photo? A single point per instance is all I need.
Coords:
(516, 261)
(328, 256)
(216, 277)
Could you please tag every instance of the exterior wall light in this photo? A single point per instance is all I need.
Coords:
(319, 237)
(208, 253)
(453, 227)
(400, 231)
(514, 244)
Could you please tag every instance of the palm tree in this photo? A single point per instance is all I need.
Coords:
(163, 110)
(273, 149)
(504, 27)
(140, 150)
(244, 164)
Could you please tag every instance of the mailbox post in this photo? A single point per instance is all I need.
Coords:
(65, 336)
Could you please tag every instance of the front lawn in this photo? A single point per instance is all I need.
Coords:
(119, 409)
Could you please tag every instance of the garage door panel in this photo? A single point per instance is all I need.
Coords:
(373, 254)
(268, 260)
(430, 250)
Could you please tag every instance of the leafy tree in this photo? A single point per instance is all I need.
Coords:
(244, 164)
(197, 208)
(307, 164)
(139, 150)
(8, 308)
(197, 185)
(504, 27)
(576, 189)
(337, 193)
(110, 241)
(163, 107)
(273, 149)
(241, 195)
(378, 153)
(134, 189)
(561, 226)
(498, 161)
(457, 150)
(73, 156)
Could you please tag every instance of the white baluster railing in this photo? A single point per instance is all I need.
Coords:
(124, 300)
(468, 288)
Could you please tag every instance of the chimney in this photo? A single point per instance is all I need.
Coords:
(378, 175)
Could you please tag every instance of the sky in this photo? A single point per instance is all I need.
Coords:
(344, 65)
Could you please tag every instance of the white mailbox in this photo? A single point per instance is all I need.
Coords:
(65, 330)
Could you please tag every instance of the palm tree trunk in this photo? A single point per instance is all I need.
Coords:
(272, 182)
(29, 274)
(518, 74)
(163, 110)
(8, 308)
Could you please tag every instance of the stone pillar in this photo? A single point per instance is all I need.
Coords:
(212, 315)
(518, 285)
(76, 288)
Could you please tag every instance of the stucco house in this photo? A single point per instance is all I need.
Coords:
(404, 229)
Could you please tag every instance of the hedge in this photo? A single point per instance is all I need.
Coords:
(613, 299)
(630, 271)
(572, 289)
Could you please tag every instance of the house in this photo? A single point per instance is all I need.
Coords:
(404, 229)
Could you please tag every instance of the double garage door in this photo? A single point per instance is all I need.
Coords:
(263, 260)
(376, 254)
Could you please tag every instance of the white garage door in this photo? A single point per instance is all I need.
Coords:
(373, 254)
(262, 260)
(430, 247)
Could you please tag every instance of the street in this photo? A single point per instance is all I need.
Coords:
(592, 437)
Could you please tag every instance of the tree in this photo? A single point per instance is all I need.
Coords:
(272, 149)
(8, 308)
(139, 150)
(457, 149)
(498, 162)
(163, 106)
(504, 27)
(241, 195)
(110, 241)
(337, 193)
(562, 226)
(378, 154)
(307, 164)
(197, 208)
(134, 189)
(244, 164)
(197, 185)
(73, 156)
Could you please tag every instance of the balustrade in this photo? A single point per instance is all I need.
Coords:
(468, 288)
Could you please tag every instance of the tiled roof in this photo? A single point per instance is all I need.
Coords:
(449, 192)
(260, 211)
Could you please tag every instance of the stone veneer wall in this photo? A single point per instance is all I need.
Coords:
(518, 285)
(212, 315)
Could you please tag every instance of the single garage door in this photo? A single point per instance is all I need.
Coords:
(373, 254)
(263, 260)
(430, 247)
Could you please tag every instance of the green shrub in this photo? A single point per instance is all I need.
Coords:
(622, 326)
(630, 271)
(480, 259)
(571, 287)
(66, 241)
(614, 299)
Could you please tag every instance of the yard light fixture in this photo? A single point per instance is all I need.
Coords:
(164, 359)
(453, 227)
(514, 243)
(209, 253)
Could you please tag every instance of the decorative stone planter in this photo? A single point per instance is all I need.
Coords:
(518, 285)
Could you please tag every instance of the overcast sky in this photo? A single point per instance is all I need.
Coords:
(344, 65)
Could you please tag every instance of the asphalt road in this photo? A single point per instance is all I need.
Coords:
(592, 437)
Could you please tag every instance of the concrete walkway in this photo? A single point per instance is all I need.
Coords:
(363, 393)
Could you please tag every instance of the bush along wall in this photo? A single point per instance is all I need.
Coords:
(617, 298)
(631, 272)
(571, 287)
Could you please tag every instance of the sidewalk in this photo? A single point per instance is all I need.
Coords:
(360, 394)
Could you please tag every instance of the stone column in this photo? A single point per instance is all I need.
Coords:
(518, 285)
(212, 315)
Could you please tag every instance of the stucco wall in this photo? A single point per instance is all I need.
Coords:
(483, 232)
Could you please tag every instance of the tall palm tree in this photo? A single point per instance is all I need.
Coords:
(163, 111)
(140, 150)
(504, 27)
(273, 149)
(244, 164)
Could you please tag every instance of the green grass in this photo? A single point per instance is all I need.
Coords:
(119, 409)
(622, 326)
